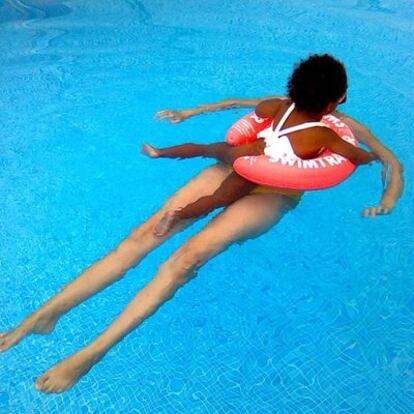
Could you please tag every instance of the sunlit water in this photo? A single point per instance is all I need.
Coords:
(316, 316)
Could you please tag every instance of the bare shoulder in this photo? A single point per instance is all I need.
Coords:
(318, 137)
(325, 135)
(269, 107)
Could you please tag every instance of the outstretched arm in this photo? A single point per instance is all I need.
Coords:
(176, 116)
(392, 174)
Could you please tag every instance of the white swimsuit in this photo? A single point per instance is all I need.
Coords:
(277, 142)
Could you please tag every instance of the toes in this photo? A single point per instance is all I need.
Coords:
(54, 388)
(47, 386)
(39, 386)
(40, 382)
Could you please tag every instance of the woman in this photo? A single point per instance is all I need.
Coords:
(248, 217)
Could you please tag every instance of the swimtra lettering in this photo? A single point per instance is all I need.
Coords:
(309, 164)
(326, 161)
(263, 168)
(287, 161)
(331, 160)
(251, 159)
(339, 124)
(334, 121)
(349, 139)
(339, 158)
(243, 127)
(257, 119)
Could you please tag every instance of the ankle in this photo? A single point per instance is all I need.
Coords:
(93, 352)
(96, 349)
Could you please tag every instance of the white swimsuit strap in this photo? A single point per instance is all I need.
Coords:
(284, 117)
(300, 127)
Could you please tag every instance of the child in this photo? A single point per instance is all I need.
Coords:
(315, 88)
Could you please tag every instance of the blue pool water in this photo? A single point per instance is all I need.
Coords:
(316, 316)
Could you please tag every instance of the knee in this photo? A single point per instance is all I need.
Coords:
(191, 258)
(183, 265)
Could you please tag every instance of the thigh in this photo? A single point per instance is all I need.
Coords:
(205, 183)
(247, 218)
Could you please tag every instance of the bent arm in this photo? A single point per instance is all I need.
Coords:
(395, 185)
(357, 156)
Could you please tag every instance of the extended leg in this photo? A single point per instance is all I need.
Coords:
(232, 189)
(220, 151)
(246, 218)
(114, 265)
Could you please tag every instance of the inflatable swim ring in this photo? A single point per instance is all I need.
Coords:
(324, 171)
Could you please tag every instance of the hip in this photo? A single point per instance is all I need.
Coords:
(295, 195)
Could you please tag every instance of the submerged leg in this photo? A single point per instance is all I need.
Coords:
(246, 218)
(232, 189)
(114, 265)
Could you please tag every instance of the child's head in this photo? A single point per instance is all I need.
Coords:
(318, 84)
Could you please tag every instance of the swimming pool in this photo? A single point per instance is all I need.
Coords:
(313, 317)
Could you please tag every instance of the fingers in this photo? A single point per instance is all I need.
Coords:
(375, 211)
(173, 116)
(164, 114)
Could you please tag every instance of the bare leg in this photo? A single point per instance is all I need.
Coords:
(220, 151)
(232, 189)
(113, 266)
(246, 218)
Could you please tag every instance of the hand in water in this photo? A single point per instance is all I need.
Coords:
(376, 211)
(171, 115)
(386, 206)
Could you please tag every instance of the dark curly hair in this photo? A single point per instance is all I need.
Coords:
(316, 82)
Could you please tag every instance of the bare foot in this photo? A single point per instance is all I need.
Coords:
(67, 372)
(150, 151)
(37, 323)
(166, 223)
